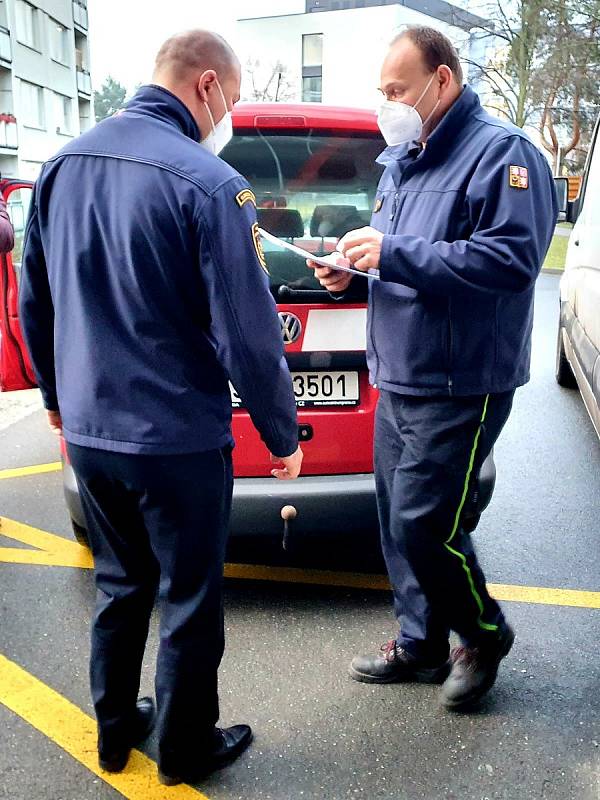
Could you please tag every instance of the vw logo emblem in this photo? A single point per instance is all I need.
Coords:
(291, 327)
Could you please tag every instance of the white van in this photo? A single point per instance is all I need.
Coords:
(578, 347)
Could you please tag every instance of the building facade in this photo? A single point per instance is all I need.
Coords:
(331, 51)
(45, 83)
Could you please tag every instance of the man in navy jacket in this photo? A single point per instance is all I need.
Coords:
(144, 292)
(463, 216)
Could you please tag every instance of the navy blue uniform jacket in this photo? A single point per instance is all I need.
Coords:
(142, 291)
(468, 221)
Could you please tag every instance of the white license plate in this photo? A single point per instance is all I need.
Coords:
(320, 389)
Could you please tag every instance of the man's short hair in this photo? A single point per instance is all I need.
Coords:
(196, 50)
(436, 49)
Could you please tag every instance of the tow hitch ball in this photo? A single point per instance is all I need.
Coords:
(288, 514)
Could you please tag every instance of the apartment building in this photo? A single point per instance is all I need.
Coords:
(45, 84)
(331, 50)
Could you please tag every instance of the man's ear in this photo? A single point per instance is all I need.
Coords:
(206, 80)
(445, 76)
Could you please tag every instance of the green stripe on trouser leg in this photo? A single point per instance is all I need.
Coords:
(484, 625)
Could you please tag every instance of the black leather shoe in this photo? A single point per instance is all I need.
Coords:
(114, 759)
(474, 670)
(394, 665)
(229, 743)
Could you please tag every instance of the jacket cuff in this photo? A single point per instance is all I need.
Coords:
(391, 263)
(283, 448)
(49, 400)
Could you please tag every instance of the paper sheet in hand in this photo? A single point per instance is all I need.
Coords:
(325, 261)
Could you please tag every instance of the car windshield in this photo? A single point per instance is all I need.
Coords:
(310, 190)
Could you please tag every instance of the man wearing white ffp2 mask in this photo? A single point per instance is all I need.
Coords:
(459, 231)
(222, 131)
(189, 306)
(400, 122)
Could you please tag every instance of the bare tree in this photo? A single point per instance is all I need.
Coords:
(567, 87)
(517, 34)
(268, 83)
(544, 69)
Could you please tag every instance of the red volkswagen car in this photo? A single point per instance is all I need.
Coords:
(314, 173)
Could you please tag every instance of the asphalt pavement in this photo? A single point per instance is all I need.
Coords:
(318, 733)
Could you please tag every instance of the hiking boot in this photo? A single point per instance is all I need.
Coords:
(394, 665)
(474, 670)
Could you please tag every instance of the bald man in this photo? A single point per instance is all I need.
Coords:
(144, 292)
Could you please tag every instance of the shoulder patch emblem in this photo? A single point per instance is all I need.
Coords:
(260, 253)
(245, 196)
(378, 204)
(518, 177)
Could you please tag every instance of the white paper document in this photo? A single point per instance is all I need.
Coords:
(325, 261)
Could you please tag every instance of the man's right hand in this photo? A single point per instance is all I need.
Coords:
(55, 422)
(291, 466)
(331, 279)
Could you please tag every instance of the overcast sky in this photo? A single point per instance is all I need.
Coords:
(125, 34)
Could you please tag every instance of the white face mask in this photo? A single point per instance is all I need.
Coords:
(222, 132)
(400, 123)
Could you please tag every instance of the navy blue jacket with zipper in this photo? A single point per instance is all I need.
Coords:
(467, 223)
(142, 291)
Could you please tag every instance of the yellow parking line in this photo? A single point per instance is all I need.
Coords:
(52, 550)
(358, 580)
(37, 469)
(56, 551)
(75, 732)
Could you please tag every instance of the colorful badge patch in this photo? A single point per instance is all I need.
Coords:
(259, 248)
(245, 196)
(518, 177)
(378, 204)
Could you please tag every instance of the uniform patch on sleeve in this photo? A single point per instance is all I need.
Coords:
(259, 248)
(518, 177)
(245, 196)
(378, 204)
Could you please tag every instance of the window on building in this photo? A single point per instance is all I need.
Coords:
(32, 105)
(63, 113)
(28, 24)
(312, 67)
(312, 50)
(59, 42)
(312, 90)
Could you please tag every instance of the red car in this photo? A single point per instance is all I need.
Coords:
(314, 174)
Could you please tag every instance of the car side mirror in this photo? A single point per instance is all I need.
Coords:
(573, 210)
(562, 193)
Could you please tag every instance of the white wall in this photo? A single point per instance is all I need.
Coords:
(354, 44)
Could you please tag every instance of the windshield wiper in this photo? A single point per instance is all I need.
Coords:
(306, 295)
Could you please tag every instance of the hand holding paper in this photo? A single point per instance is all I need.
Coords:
(333, 261)
(362, 248)
(329, 275)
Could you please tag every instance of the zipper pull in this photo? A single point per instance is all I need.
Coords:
(394, 207)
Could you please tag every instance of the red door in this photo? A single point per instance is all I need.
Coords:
(15, 369)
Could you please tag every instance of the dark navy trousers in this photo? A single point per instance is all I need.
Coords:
(157, 523)
(428, 452)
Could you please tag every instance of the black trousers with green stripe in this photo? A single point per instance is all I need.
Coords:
(428, 452)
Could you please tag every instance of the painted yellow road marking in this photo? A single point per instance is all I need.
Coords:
(37, 469)
(358, 580)
(56, 551)
(553, 597)
(52, 550)
(75, 732)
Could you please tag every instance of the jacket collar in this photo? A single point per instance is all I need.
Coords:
(160, 103)
(452, 123)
